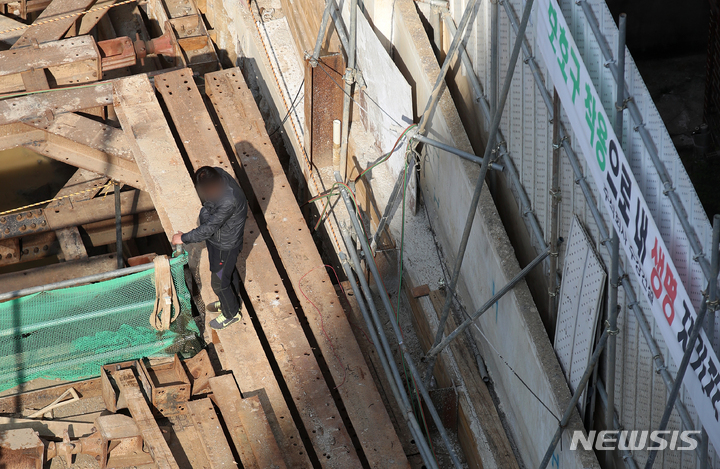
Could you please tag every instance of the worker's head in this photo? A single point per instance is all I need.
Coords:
(209, 183)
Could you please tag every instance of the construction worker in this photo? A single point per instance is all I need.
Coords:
(222, 222)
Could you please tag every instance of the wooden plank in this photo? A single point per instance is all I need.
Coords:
(226, 396)
(244, 127)
(89, 132)
(36, 399)
(34, 80)
(186, 445)
(217, 450)
(49, 428)
(69, 238)
(134, 226)
(152, 436)
(54, 102)
(57, 272)
(71, 243)
(156, 154)
(63, 213)
(13, 30)
(81, 156)
(89, 20)
(248, 417)
(69, 61)
(54, 30)
(292, 352)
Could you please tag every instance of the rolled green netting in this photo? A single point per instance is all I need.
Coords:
(70, 333)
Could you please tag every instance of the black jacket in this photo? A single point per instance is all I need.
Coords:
(222, 222)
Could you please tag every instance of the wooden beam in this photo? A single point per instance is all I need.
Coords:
(138, 406)
(34, 80)
(54, 103)
(162, 167)
(89, 20)
(226, 396)
(156, 154)
(56, 12)
(71, 244)
(69, 238)
(64, 213)
(134, 226)
(88, 132)
(81, 156)
(56, 273)
(36, 399)
(244, 128)
(217, 450)
(69, 61)
(293, 354)
(246, 414)
(13, 33)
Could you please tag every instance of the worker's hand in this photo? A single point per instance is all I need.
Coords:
(177, 238)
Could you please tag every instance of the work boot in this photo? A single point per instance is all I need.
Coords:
(221, 322)
(213, 307)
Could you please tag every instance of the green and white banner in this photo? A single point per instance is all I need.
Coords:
(648, 257)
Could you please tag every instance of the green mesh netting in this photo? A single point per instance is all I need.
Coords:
(70, 333)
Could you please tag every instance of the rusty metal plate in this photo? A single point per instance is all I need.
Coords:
(23, 223)
(21, 449)
(323, 104)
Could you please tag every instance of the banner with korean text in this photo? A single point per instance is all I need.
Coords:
(639, 236)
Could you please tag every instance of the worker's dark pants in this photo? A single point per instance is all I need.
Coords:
(225, 278)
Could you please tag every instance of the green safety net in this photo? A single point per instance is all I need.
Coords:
(68, 334)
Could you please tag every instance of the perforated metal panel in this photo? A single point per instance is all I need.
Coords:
(579, 306)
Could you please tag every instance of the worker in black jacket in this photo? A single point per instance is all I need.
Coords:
(222, 222)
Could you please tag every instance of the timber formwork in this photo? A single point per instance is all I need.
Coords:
(297, 391)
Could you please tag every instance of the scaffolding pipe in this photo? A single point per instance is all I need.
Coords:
(494, 57)
(437, 348)
(396, 329)
(632, 300)
(462, 154)
(339, 26)
(636, 115)
(554, 211)
(382, 347)
(624, 453)
(118, 228)
(76, 281)
(573, 402)
(481, 177)
(439, 87)
(511, 173)
(615, 245)
(321, 33)
(349, 82)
